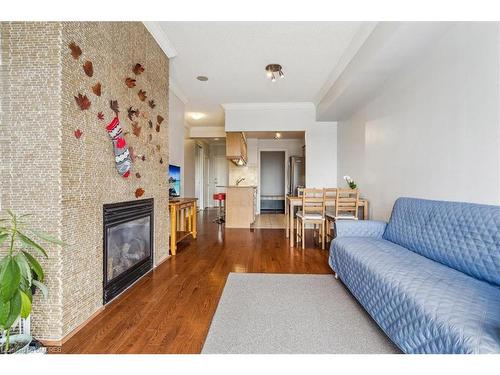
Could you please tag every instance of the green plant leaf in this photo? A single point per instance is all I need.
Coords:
(4, 312)
(42, 287)
(47, 237)
(35, 266)
(3, 237)
(25, 305)
(9, 279)
(14, 311)
(29, 242)
(24, 267)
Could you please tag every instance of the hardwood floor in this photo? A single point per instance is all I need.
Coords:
(170, 309)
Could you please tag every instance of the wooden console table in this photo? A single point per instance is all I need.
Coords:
(182, 220)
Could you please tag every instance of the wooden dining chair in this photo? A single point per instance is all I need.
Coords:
(346, 207)
(312, 212)
(330, 204)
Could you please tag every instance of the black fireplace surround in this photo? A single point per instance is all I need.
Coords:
(128, 244)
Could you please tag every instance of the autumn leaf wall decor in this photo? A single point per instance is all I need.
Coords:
(96, 89)
(78, 133)
(75, 50)
(150, 123)
(136, 129)
(88, 68)
(161, 160)
(142, 95)
(157, 128)
(82, 101)
(100, 116)
(159, 119)
(131, 112)
(130, 82)
(138, 69)
(113, 104)
(138, 175)
(139, 192)
(152, 104)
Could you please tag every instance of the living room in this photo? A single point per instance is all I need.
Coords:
(250, 187)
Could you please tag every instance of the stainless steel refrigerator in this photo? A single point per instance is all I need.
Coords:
(296, 174)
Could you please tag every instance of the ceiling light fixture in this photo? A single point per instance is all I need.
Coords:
(277, 135)
(202, 78)
(197, 115)
(273, 70)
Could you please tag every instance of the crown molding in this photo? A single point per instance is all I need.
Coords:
(161, 38)
(172, 86)
(257, 106)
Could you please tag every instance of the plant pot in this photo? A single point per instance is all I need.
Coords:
(19, 343)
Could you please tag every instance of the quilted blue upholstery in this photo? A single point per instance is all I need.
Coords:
(364, 228)
(463, 236)
(422, 306)
(411, 286)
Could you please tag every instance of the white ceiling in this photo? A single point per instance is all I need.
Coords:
(233, 56)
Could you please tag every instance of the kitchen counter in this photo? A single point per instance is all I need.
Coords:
(241, 206)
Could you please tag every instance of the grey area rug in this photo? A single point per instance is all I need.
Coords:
(277, 313)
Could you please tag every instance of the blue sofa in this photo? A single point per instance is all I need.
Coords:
(430, 277)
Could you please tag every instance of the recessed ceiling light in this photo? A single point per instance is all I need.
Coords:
(197, 115)
(202, 78)
(216, 139)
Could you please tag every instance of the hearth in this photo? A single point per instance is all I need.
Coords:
(128, 244)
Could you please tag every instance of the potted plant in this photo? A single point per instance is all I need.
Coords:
(350, 182)
(20, 276)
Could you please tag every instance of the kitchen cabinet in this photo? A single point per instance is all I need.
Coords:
(241, 206)
(236, 148)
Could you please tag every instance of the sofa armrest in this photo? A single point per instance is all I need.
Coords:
(361, 228)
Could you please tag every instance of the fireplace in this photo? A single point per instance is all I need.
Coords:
(128, 244)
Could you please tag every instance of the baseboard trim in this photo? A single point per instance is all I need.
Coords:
(61, 342)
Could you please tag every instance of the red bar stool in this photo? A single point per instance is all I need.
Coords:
(220, 197)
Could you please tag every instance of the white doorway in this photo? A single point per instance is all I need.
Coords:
(272, 181)
(199, 175)
(220, 174)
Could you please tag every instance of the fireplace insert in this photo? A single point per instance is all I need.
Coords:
(128, 244)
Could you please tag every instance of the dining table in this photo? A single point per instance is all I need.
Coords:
(293, 201)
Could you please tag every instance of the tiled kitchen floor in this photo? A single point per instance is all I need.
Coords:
(270, 221)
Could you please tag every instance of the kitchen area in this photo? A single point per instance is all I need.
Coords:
(263, 167)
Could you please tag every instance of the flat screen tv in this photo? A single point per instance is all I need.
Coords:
(174, 180)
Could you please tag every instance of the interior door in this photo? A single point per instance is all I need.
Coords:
(206, 180)
(221, 174)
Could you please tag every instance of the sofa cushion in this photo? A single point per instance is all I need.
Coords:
(463, 236)
(422, 305)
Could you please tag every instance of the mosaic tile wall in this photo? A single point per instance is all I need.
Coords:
(30, 147)
(73, 177)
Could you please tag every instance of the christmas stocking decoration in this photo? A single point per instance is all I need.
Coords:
(122, 156)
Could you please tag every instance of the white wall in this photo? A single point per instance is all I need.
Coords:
(321, 155)
(176, 134)
(432, 131)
